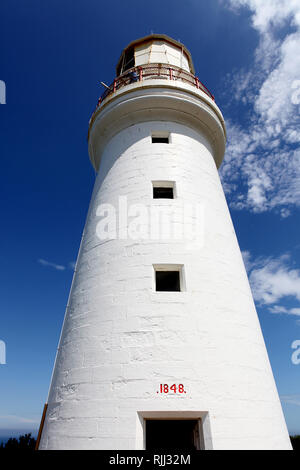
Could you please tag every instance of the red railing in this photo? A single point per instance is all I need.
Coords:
(151, 72)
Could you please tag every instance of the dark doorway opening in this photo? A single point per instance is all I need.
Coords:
(167, 281)
(172, 434)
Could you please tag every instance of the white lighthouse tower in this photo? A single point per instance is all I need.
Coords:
(161, 345)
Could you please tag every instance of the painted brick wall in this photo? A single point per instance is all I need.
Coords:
(121, 339)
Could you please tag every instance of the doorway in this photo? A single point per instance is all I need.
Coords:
(173, 434)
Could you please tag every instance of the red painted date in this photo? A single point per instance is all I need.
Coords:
(166, 388)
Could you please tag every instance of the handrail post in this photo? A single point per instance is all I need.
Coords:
(115, 84)
(171, 73)
(140, 74)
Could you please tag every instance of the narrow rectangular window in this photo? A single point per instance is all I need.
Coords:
(160, 137)
(167, 281)
(168, 278)
(163, 189)
(160, 140)
(163, 193)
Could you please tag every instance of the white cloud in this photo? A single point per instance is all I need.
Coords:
(248, 261)
(246, 257)
(274, 280)
(285, 213)
(264, 155)
(58, 267)
(258, 183)
(274, 102)
(282, 309)
(294, 311)
(270, 12)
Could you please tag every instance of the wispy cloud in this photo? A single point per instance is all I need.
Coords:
(16, 420)
(282, 309)
(274, 280)
(58, 267)
(264, 155)
(291, 399)
(72, 265)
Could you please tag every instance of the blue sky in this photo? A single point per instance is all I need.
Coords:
(53, 56)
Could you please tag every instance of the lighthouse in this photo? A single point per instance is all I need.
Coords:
(161, 346)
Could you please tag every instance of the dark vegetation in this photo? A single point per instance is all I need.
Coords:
(295, 440)
(25, 442)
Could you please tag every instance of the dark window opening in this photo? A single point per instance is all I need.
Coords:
(127, 61)
(167, 281)
(172, 434)
(160, 140)
(163, 193)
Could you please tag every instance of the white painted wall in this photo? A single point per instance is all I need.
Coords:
(121, 339)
